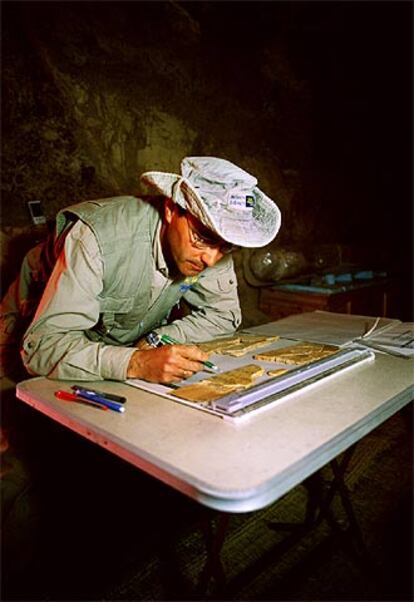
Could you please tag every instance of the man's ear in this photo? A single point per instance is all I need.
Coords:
(168, 210)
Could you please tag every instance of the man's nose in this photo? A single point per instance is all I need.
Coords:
(211, 255)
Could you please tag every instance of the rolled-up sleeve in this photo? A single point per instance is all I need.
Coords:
(215, 306)
(55, 344)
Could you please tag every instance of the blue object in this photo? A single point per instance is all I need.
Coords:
(189, 283)
(153, 339)
(347, 277)
(364, 275)
(90, 396)
(110, 396)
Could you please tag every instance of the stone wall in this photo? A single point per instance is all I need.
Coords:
(95, 93)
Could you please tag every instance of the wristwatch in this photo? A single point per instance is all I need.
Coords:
(153, 339)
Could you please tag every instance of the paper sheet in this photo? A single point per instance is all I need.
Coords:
(324, 327)
(398, 340)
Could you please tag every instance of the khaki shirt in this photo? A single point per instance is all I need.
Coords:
(63, 342)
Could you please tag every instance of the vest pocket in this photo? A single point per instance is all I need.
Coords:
(115, 315)
(225, 282)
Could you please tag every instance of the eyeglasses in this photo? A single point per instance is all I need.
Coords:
(203, 242)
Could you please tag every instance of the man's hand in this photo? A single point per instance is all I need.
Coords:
(166, 364)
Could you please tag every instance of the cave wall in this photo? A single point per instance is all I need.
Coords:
(94, 94)
(314, 98)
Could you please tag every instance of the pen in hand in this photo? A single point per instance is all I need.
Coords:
(165, 339)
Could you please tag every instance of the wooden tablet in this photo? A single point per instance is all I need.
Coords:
(248, 344)
(297, 355)
(237, 346)
(219, 345)
(276, 372)
(219, 385)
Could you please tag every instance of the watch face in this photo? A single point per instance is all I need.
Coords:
(152, 339)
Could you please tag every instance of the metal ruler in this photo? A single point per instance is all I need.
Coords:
(291, 382)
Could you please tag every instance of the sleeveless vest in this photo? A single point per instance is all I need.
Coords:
(124, 227)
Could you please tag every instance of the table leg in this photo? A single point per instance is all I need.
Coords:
(356, 539)
(215, 528)
(319, 507)
(320, 497)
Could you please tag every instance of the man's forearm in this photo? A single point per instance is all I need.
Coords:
(72, 356)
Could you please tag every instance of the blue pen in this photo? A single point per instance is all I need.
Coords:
(112, 405)
(110, 396)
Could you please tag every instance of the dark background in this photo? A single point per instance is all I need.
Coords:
(314, 98)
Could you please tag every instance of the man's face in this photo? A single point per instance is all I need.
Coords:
(191, 245)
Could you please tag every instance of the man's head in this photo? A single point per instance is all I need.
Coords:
(191, 245)
(223, 199)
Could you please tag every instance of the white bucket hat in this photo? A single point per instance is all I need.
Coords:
(223, 197)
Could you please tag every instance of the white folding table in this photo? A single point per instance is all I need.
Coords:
(236, 467)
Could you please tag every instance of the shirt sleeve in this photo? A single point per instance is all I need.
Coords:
(214, 303)
(55, 344)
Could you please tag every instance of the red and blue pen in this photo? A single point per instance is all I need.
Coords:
(104, 401)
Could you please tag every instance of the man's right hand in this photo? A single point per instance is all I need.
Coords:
(166, 364)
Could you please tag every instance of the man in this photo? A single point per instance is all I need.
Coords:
(122, 265)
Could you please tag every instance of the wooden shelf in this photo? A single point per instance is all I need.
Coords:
(371, 299)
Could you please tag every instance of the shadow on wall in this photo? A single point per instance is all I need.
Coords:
(94, 98)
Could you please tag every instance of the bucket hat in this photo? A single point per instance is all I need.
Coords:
(224, 197)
